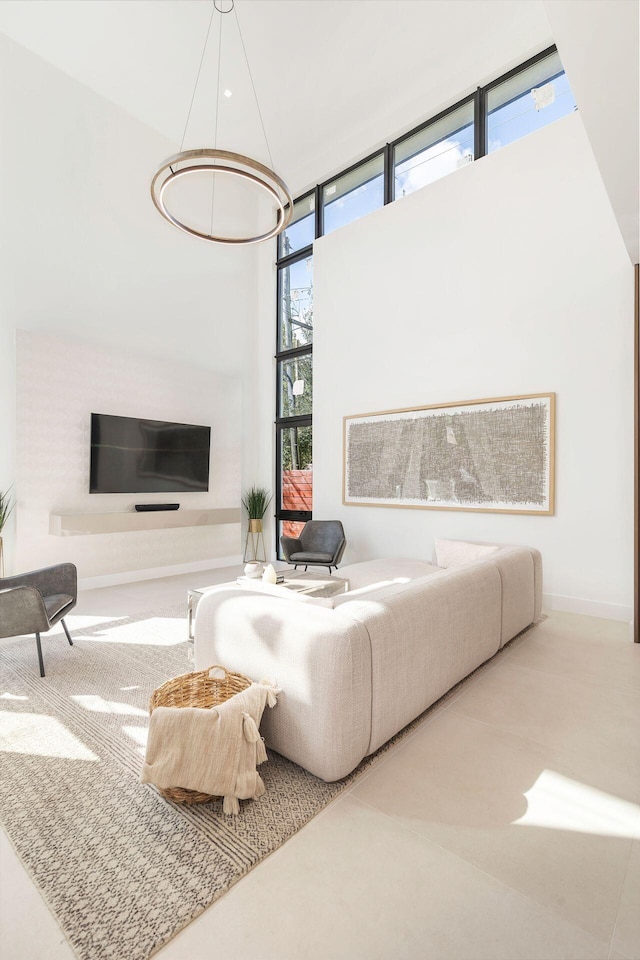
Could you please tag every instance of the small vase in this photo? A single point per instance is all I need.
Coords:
(253, 570)
(269, 575)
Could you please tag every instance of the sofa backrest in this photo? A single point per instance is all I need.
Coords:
(520, 570)
(426, 635)
(372, 574)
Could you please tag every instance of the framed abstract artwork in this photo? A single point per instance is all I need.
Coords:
(486, 455)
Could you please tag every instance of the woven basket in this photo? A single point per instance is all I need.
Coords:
(196, 690)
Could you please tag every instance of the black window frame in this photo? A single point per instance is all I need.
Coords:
(531, 62)
(380, 152)
(472, 98)
(283, 423)
(295, 254)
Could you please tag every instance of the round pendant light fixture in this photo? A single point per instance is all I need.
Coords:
(245, 170)
(215, 162)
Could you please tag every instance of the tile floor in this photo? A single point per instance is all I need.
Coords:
(506, 826)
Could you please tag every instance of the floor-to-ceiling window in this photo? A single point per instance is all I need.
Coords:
(294, 355)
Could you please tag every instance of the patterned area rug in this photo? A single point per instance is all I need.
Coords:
(122, 868)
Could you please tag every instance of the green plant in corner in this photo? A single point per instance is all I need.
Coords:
(6, 506)
(255, 501)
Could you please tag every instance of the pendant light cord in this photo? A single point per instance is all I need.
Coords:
(253, 86)
(215, 130)
(193, 95)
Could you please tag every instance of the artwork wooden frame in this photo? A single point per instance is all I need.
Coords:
(490, 456)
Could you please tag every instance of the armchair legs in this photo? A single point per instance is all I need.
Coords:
(67, 632)
(40, 660)
(39, 646)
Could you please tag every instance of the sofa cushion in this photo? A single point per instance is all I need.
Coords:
(56, 604)
(453, 553)
(306, 556)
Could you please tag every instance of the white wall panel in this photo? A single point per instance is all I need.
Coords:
(60, 382)
(507, 277)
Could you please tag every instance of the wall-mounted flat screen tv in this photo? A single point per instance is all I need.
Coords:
(148, 456)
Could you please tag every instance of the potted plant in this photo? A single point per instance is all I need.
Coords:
(255, 501)
(6, 506)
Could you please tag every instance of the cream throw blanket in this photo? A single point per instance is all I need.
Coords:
(213, 750)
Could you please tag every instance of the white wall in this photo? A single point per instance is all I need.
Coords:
(83, 252)
(595, 40)
(508, 277)
(60, 383)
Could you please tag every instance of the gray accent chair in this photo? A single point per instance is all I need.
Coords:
(321, 543)
(33, 602)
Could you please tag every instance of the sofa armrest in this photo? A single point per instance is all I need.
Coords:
(22, 611)
(290, 545)
(337, 557)
(321, 662)
(59, 578)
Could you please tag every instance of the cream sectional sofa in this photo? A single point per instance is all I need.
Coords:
(357, 668)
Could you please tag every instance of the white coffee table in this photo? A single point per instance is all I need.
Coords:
(310, 584)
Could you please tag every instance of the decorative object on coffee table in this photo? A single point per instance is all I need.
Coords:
(269, 575)
(311, 584)
(253, 570)
(255, 501)
(493, 455)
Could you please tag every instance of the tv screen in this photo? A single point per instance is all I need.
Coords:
(148, 456)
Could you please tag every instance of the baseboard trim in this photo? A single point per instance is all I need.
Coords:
(591, 608)
(154, 573)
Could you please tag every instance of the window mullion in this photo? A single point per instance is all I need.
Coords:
(480, 123)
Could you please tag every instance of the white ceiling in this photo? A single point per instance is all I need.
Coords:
(334, 78)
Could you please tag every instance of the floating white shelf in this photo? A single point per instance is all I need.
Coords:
(83, 524)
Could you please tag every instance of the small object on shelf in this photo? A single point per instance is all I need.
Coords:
(269, 575)
(253, 570)
(279, 577)
(149, 507)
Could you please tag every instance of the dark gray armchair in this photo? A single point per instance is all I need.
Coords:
(32, 602)
(321, 543)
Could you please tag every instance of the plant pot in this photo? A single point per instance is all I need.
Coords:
(255, 526)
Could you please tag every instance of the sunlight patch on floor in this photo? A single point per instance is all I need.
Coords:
(40, 735)
(153, 632)
(97, 704)
(556, 802)
(83, 621)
